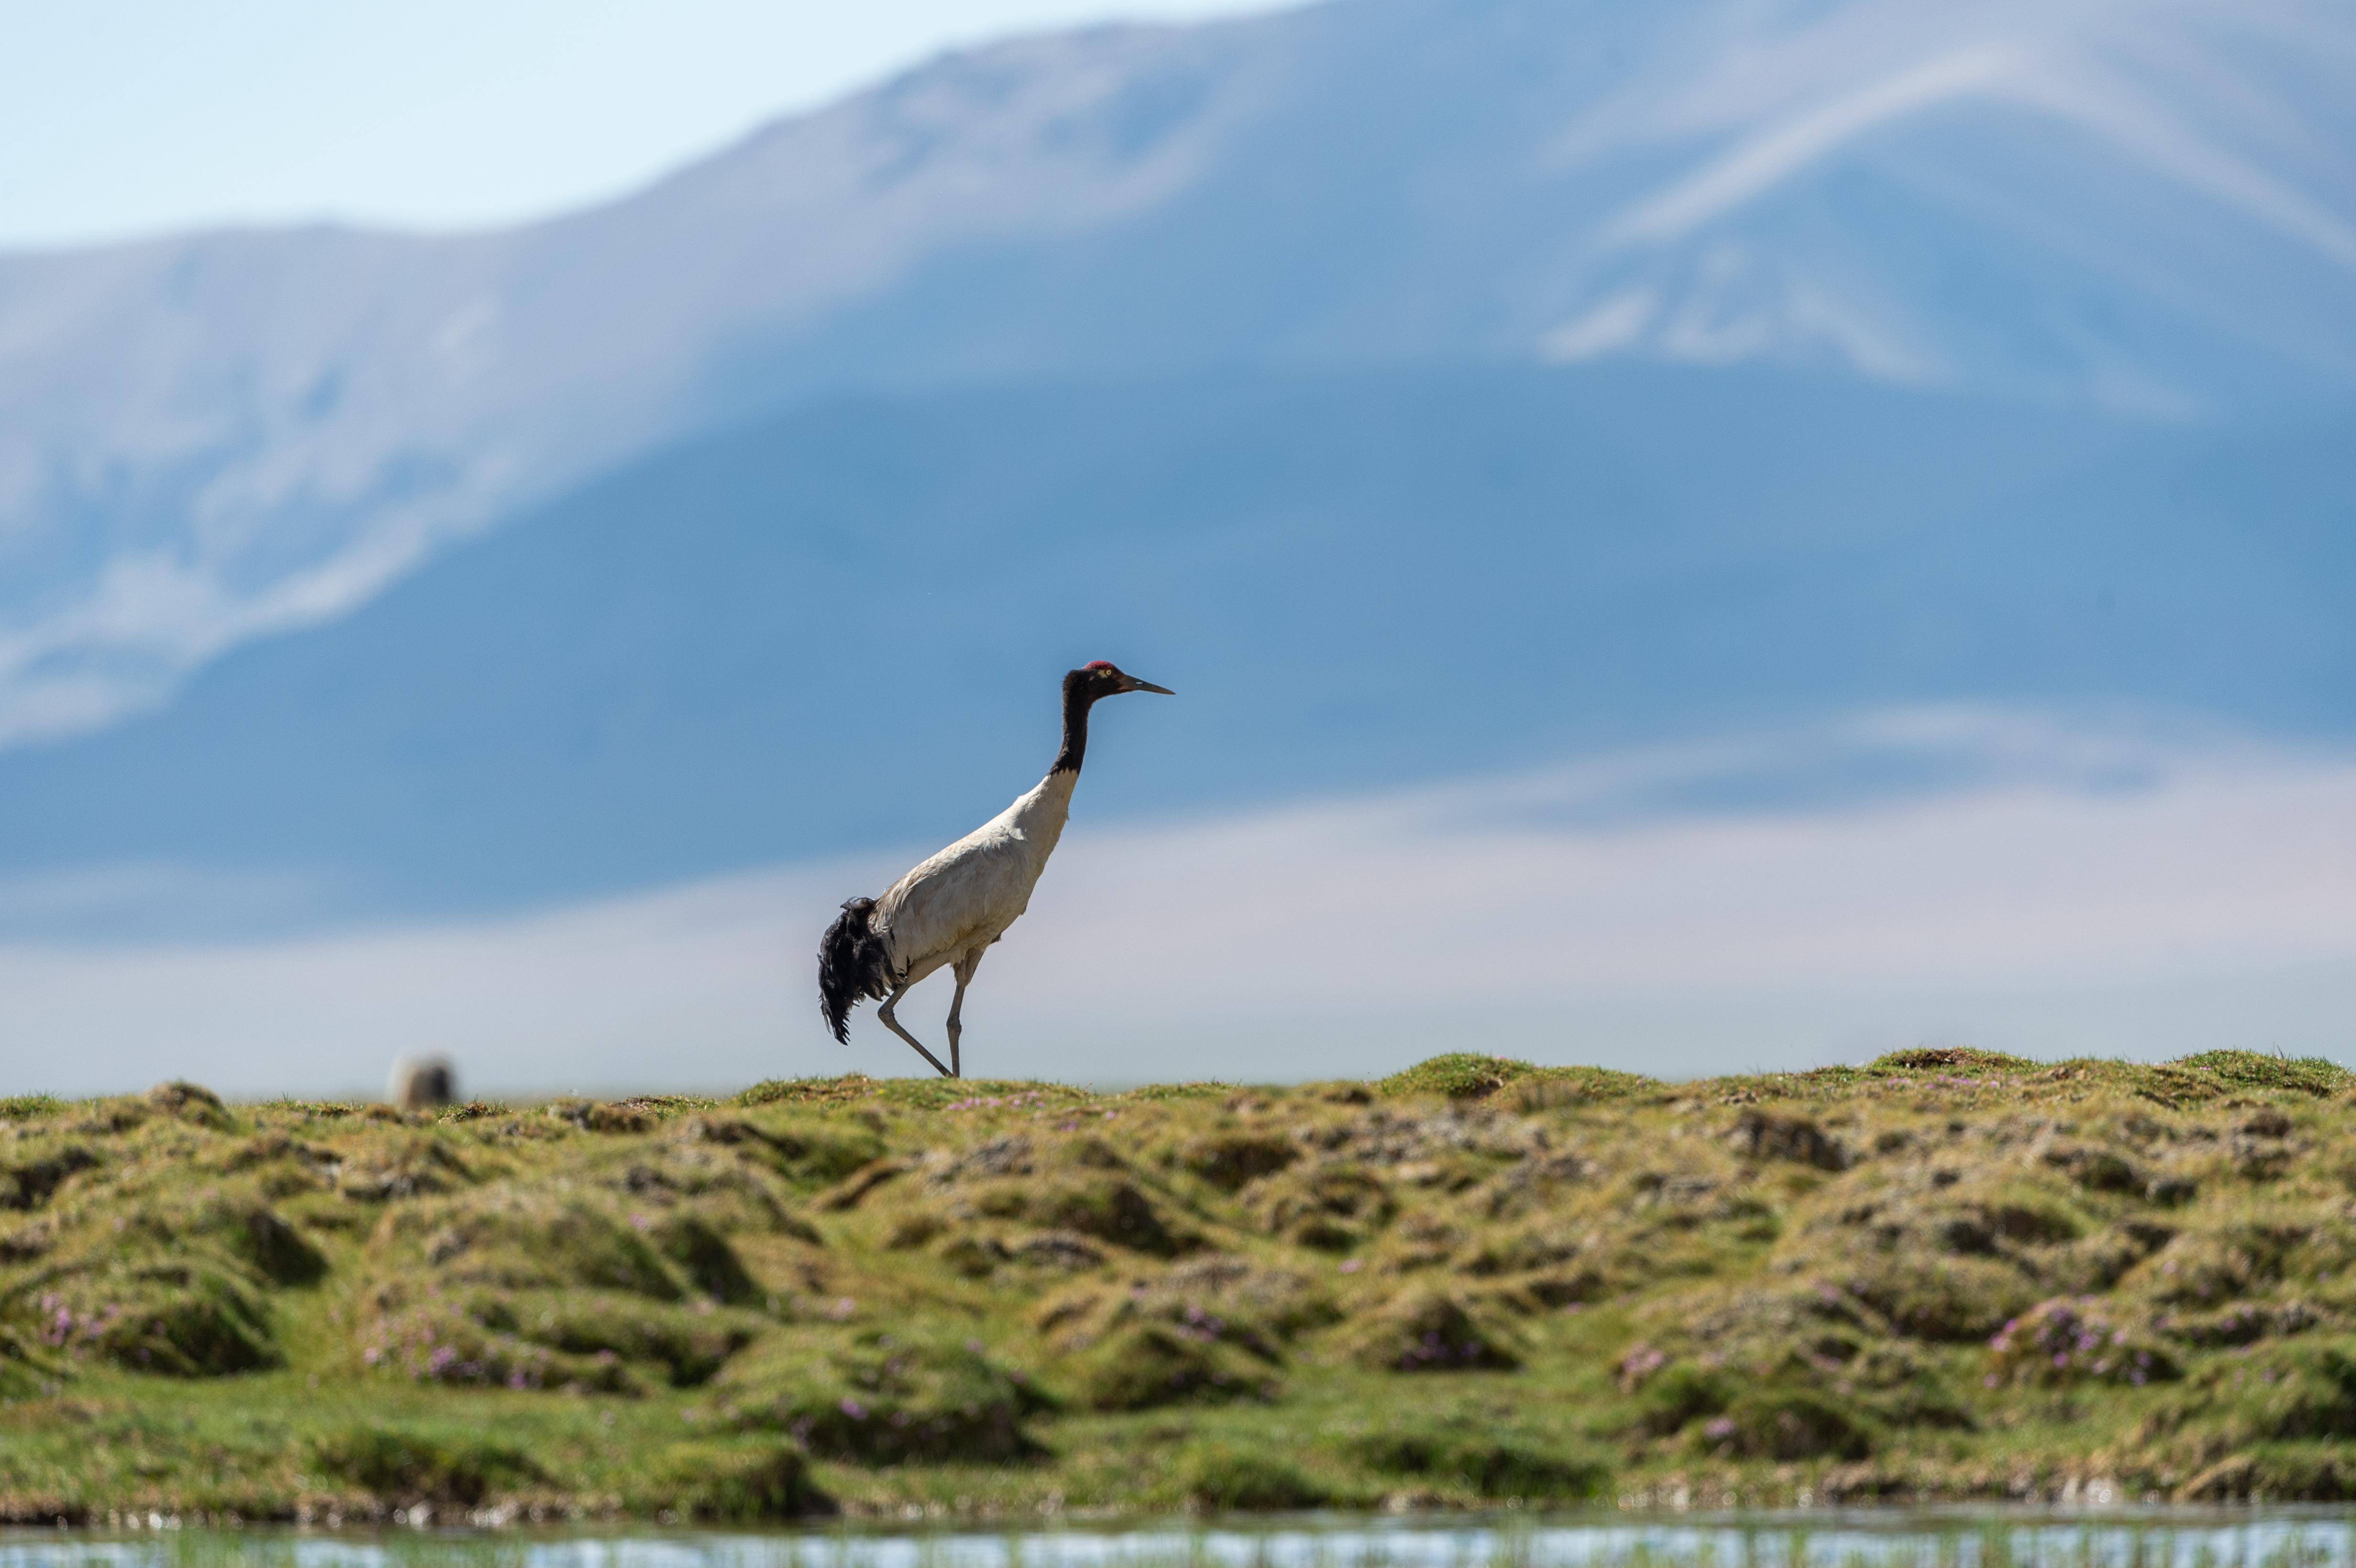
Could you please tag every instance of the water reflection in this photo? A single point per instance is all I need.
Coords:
(2155, 1539)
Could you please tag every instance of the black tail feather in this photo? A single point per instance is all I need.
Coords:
(852, 964)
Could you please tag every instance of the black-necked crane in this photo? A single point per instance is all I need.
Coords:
(950, 909)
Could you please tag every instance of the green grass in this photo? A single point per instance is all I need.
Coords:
(2255, 1070)
(1945, 1274)
(1459, 1076)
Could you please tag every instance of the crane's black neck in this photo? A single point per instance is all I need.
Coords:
(1078, 698)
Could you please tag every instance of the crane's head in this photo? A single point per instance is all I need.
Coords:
(1102, 679)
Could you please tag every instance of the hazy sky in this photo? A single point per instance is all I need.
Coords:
(2213, 906)
(124, 117)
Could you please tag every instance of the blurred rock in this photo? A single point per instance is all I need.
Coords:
(421, 1082)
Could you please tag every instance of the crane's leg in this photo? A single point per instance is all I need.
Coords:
(964, 972)
(885, 1012)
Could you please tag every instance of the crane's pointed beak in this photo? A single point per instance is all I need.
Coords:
(1137, 685)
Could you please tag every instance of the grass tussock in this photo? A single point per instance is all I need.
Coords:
(404, 1466)
(1944, 1273)
(1477, 1464)
(1231, 1476)
(882, 1398)
(756, 1481)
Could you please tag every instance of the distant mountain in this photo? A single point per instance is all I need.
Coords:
(2137, 207)
(841, 628)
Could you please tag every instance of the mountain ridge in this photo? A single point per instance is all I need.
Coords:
(841, 627)
(2137, 206)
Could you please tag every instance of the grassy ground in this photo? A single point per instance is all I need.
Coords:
(1944, 1274)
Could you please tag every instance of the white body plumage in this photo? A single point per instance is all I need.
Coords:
(960, 901)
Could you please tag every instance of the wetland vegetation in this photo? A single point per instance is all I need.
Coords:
(1946, 1274)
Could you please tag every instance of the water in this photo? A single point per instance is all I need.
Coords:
(2170, 1537)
